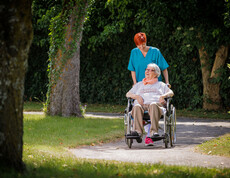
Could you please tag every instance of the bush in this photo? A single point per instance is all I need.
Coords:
(108, 40)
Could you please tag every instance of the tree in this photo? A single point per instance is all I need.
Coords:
(15, 38)
(178, 28)
(185, 31)
(64, 67)
(198, 29)
(207, 33)
(210, 75)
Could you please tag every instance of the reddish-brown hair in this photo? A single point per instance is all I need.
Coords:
(140, 38)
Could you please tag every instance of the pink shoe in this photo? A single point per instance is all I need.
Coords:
(148, 141)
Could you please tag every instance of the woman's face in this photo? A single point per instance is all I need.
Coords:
(142, 46)
(150, 73)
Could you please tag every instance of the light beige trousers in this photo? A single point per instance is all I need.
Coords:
(154, 112)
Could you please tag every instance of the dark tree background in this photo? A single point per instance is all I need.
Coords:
(37, 76)
(178, 28)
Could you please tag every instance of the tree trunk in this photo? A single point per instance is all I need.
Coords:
(64, 95)
(15, 39)
(210, 74)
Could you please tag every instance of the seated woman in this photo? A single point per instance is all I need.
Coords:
(149, 96)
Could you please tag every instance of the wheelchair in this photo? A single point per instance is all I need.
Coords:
(169, 124)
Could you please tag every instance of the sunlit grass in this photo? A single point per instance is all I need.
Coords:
(33, 106)
(64, 165)
(69, 132)
(107, 108)
(218, 146)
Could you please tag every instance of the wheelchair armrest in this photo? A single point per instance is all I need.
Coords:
(168, 99)
(130, 100)
(130, 104)
(168, 102)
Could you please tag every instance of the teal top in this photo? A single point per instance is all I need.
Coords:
(138, 62)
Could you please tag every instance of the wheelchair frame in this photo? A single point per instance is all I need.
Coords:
(169, 135)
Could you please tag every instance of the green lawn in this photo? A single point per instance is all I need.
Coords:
(33, 106)
(46, 143)
(108, 108)
(69, 132)
(218, 146)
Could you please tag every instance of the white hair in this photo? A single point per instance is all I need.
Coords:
(156, 68)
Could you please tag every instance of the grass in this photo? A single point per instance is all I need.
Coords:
(108, 108)
(46, 143)
(218, 146)
(33, 106)
(69, 132)
(200, 113)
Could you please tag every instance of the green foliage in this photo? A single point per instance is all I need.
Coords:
(227, 14)
(178, 29)
(37, 76)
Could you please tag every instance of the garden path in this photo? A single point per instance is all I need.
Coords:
(190, 132)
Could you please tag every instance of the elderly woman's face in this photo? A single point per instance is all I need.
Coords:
(150, 73)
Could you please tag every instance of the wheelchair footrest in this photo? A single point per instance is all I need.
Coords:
(137, 137)
(131, 137)
(158, 138)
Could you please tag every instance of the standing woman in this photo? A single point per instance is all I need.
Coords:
(140, 57)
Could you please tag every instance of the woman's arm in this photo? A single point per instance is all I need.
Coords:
(165, 73)
(136, 97)
(166, 95)
(133, 74)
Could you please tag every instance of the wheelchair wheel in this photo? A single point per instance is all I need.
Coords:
(125, 126)
(166, 140)
(173, 121)
(127, 123)
(170, 136)
(129, 142)
(167, 132)
(172, 126)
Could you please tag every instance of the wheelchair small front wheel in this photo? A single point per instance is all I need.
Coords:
(129, 142)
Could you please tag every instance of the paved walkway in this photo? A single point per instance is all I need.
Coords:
(190, 132)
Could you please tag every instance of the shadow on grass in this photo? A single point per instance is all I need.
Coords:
(41, 130)
(91, 169)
